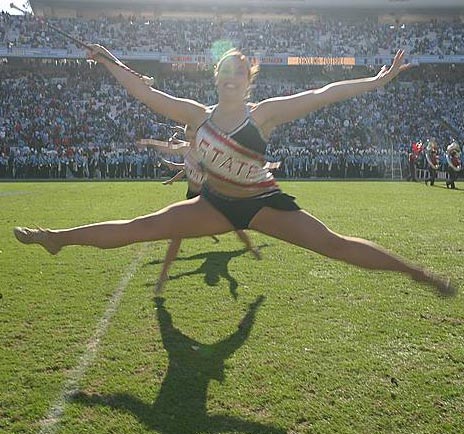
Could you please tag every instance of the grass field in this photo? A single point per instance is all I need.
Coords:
(295, 343)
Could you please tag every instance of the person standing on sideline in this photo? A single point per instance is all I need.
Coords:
(433, 161)
(453, 158)
(413, 154)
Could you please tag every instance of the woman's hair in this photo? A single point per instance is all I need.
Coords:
(252, 69)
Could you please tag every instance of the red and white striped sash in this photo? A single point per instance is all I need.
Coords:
(225, 159)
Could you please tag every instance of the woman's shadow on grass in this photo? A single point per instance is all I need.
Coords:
(181, 405)
(214, 267)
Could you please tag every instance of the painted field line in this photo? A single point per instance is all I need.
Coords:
(50, 423)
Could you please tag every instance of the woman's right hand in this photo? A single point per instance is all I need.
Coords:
(101, 54)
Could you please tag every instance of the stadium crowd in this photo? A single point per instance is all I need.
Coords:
(62, 119)
(69, 119)
(320, 35)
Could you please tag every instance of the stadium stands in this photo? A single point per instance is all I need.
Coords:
(64, 117)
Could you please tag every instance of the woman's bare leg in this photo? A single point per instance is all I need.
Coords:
(187, 219)
(249, 246)
(304, 230)
(171, 254)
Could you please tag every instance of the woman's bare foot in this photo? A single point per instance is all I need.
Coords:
(37, 236)
(443, 287)
(256, 253)
(159, 286)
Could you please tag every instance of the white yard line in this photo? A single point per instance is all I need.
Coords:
(51, 422)
(13, 193)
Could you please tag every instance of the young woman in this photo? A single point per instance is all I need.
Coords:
(192, 170)
(240, 193)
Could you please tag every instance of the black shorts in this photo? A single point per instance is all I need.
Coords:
(240, 212)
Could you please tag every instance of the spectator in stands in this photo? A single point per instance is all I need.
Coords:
(324, 36)
(29, 103)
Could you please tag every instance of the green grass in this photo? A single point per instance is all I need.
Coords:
(330, 349)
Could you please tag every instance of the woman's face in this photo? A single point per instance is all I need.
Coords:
(232, 77)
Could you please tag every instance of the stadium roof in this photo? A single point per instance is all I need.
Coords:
(306, 4)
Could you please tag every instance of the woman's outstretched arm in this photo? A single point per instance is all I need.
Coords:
(178, 109)
(275, 111)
